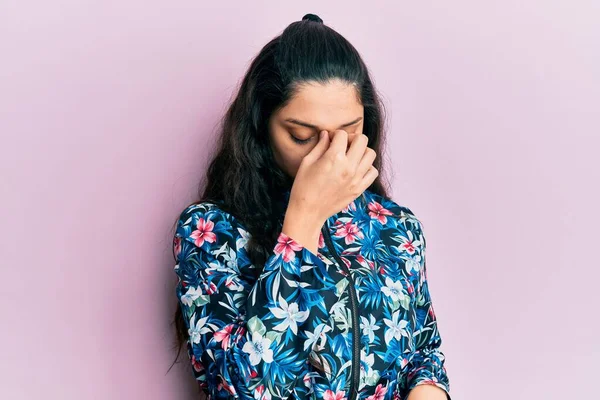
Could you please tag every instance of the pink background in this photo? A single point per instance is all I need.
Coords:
(107, 114)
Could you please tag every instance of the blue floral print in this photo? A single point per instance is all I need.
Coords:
(354, 321)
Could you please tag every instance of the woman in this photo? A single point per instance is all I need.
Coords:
(298, 276)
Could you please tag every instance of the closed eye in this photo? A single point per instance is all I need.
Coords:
(301, 141)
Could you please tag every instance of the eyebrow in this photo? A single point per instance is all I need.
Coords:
(295, 121)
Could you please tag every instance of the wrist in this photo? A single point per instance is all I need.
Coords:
(303, 227)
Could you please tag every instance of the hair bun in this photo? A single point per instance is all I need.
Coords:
(312, 17)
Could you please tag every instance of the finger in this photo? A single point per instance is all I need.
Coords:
(351, 137)
(321, 146)
(366, 162)
(339, 141)
(357, 148)
(369, 177)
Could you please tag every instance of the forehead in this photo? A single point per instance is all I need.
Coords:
(324, 105)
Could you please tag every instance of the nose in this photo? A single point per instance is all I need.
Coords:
(350, 135)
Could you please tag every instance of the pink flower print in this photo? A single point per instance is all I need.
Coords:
(261, 394)
(223, 336)
(321, 240)
(204, 232)
(210, 287)
(380, 392)
(346, 261)
(306, 380)
(409, 247)
(364, 262)
(330, 395)
(287, 246)
(196, 364)
(378, 212)
(239, 333)
(349, 232)
(224, 385)
(231, 284)
(403, 362)
(412, 372)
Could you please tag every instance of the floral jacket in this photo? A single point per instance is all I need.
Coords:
(354, 321)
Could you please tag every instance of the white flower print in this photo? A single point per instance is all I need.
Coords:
(368, 360)
(396, 327)
(191, 295)
(258, 348)
(319, 333)
(254, 330)
(408, 244)
(197, 328)
(291, 315)
(243, 238)
(261, 394)
(393, 289)
(229, 255)
(413, 264)
(369, 326)
(341, 315)
(233, 283)
(367, 373)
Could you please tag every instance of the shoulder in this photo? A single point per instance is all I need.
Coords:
(388, 205)
(206, 224)
(200, 209)
(395, 218)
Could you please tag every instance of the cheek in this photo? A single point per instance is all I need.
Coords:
(284, 152)
(292, 156)
(287, 149)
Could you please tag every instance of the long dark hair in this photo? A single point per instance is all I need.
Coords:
(243, 176)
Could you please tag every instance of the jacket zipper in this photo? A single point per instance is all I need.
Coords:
(354, 309)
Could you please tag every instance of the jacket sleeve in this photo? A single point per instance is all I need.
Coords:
(426, 364)
(248, 337)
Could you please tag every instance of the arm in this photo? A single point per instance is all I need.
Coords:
(426, 376)
(246, 336)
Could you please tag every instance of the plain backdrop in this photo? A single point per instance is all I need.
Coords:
(108, 112)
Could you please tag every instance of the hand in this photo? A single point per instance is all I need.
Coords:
(333, 174)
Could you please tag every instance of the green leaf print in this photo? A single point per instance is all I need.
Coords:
(274, 336)
(202, 300)
(405, 301)
(256, 325)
